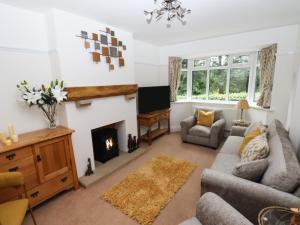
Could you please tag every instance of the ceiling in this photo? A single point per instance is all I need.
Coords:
(209, 18)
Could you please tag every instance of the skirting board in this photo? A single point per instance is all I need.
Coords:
(104, 169)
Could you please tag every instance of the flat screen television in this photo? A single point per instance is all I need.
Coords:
(153, 98)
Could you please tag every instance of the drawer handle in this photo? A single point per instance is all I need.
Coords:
(64, 179)
(34, 194)
(11, 156)
(14, 169)
(38, 158)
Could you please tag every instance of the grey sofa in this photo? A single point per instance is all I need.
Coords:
(197, 134)
(212, 210)
(279, 185)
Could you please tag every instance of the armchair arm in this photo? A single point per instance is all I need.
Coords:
(238, 131)
(213, 210)
(11, 179)
(217, 132)
(187, 124)
(246, 196)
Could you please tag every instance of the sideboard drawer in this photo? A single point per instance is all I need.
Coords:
(164, 116)
(26, 167)
(48, 189)
(12, 156)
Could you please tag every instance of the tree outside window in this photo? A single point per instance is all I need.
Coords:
(182, 90)
(217, 84)
(239, 81)
(199, 84)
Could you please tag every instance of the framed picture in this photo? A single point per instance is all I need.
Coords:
(95, 37)
(114, 41)
(112, 33)
(105, 51)
(96, 57)
(121, 62)
(113, 51)
(97, 46)
(120, 43)
(103, 39)
(84, 34)
(87, 44)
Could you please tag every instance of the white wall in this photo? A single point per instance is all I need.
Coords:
(286, 37)
(23, 56)
(76, 68)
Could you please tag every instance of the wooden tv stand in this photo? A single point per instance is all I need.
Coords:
(148, 120)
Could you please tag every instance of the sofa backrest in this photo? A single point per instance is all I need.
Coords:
(218, 112)
(283, 172)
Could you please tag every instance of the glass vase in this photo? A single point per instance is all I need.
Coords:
(50, 114)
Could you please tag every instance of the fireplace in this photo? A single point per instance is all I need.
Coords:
(105, 143)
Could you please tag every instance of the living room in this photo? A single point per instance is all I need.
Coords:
(171, 96)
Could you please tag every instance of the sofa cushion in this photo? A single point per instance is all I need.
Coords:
(247, 139)
(283, 172)
(205, 118)
(254, 126)
(218, 112)
(191, 221)
(199, 130)
(257, 148)
(251, 170)
(231, 145)
(225, 162)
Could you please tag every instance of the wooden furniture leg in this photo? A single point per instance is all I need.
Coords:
(169, 125)
(149, 136)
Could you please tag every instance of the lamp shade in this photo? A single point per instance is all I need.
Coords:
(242, 104)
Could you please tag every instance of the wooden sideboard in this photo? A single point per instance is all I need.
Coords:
(45, 158)
(148, 120)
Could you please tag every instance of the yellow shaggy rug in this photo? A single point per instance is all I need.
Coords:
(145, 192)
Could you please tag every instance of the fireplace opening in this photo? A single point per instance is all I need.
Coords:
(105, 143)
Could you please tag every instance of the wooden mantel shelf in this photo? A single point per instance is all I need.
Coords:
(90, 92)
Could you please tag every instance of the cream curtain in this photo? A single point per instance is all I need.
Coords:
(174, 76)
(267, 67)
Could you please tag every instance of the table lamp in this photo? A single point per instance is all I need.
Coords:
(242, 105)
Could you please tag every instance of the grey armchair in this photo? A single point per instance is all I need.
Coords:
(213, 210)
(197, 134)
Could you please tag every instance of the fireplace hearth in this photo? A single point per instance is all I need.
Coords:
(105, 143)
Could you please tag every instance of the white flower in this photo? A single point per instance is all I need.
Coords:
(59, 94)
(32, 97)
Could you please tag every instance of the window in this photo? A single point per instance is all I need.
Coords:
(220, 78)
(239, 81)
(199, 84)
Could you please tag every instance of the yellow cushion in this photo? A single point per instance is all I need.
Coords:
(13, 212)
(248, 138)
(11, 179)
(205, 118)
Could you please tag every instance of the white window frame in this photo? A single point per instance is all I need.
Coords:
(252, 75)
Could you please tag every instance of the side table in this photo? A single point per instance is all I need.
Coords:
(276, 215)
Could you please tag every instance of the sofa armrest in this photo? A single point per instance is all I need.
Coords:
(187, 124)
(213, 210)
(246, 196)
(238, 131)
(217, 132)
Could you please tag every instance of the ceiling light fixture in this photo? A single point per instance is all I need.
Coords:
(172, 8)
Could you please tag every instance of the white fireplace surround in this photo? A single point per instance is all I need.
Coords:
(102, 112)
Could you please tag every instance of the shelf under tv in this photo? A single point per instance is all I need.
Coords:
(148, 120)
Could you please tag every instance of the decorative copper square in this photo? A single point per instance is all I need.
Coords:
(96, 57)
(108, 30)
(124, 47)
(121, 62)
(120, 54)
(108, 60)
(87, 44)
(105, 51)
(114, 41)
(112, 33)
(111, 67)
(95, 37)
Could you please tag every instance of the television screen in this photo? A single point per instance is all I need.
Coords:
(153, 98)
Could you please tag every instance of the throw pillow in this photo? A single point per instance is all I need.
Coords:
(205, 118)
(248, 138)
(251, 170)
(254, 126)
(257, 148)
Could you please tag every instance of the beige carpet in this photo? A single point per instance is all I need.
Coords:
(83, 207)
(146, 191)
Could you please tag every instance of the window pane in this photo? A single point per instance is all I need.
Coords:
(181, 93)
(217, 84)
(199, 84)
(257, 85)
(241, 59)
(238, 88)
(221, 60)
(199, 62)
(184, 64)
